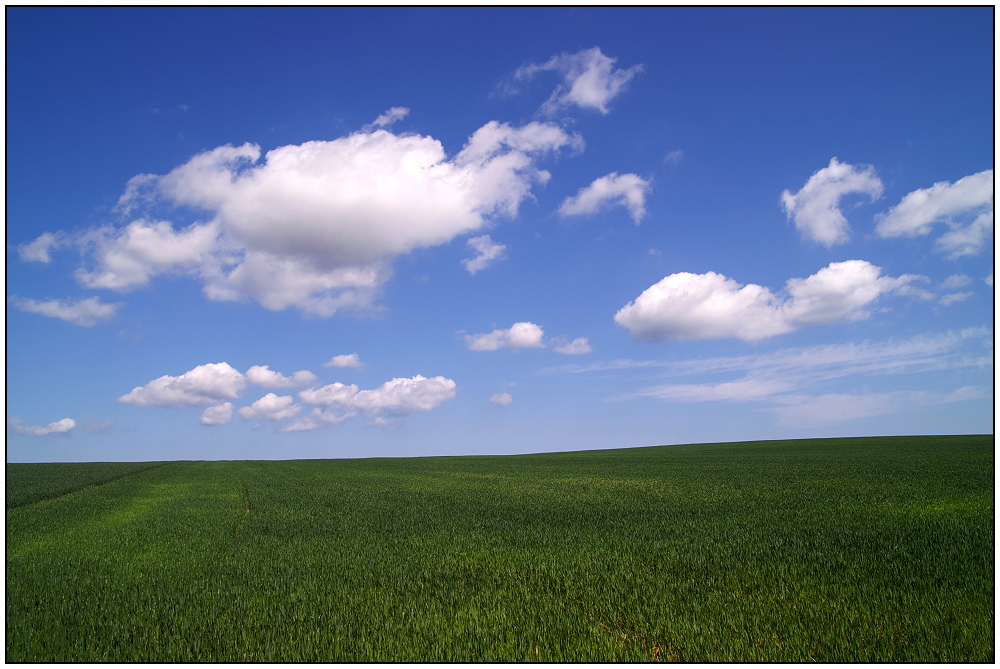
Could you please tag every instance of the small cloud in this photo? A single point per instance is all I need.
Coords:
(502, 399)
(63, 426)
(952, 298)
(674, 158)
(85, 313)
(398, 397)
(578, 346)
(519, 335)
(590, 80)
(988, 280)
(487, 251)
(38, 250)
(271, 407)
(205, 384)
(350, 360)
(261, 375)
(628, 190)
(816, 207)
(220, 414)
(956, 281)
(388, 117)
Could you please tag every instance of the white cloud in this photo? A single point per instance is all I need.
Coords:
(398, 397)
(336, 402)
(487, 251)
(628, 190)
(816, 207)
(390, 116)
(86, 312)
(63, 426)
(966, 240)
(38, 250)
(578, 346)
(220, 414)
(590, 80)
(128, 258)
(953, 204)
(265, 378)
(351, 360)
(957, 281)
(332, 395)
(712, 306)
(952, 298)
(205, 384)
(271, 407)
(519, 335)
(502, 399)
(316, 226)
(316, 419)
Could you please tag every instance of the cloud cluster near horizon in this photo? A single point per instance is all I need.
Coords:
(218, 384)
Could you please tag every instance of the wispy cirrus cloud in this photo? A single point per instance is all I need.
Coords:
(782, 379)
(84, 312)
(808, 411)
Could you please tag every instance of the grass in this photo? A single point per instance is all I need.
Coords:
(835, 550)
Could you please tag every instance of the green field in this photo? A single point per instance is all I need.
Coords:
(835, 550)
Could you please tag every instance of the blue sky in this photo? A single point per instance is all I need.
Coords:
(321, 233)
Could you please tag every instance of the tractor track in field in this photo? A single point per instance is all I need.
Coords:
(87, 486)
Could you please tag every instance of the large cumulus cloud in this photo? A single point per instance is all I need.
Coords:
(316, 225)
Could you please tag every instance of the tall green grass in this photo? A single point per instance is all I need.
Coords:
(831, 550)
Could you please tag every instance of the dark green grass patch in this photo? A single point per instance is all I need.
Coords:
(832, 550)
(35, 481)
